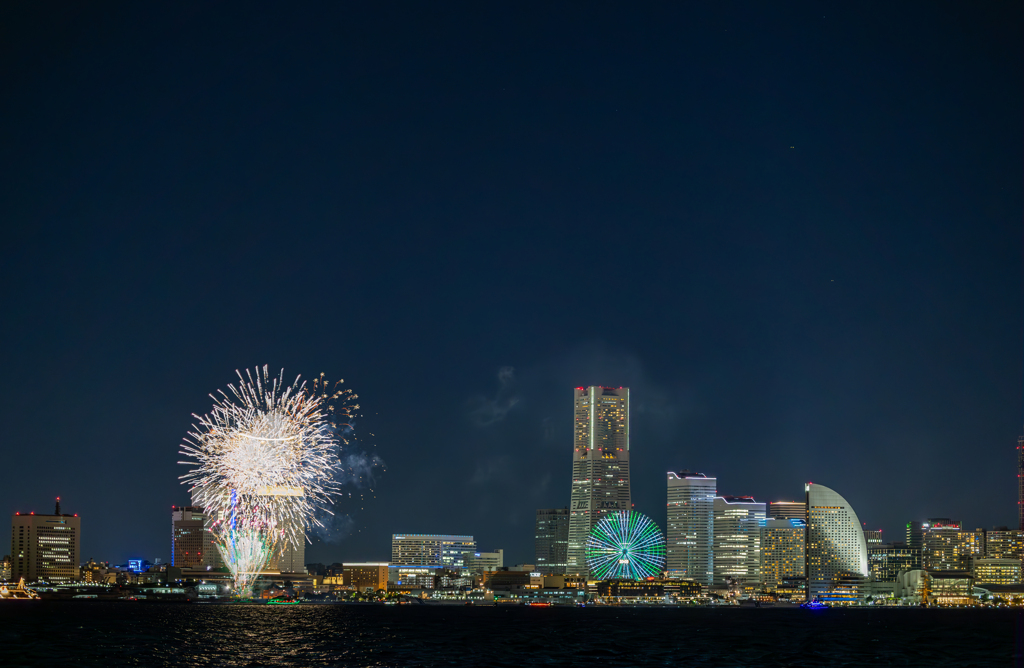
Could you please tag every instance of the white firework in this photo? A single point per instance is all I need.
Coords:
(266, 460)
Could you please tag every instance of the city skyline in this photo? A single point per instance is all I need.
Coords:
(792, 232)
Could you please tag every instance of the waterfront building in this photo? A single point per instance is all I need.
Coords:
(404, 578)
(872, 537)
(551, 540)
(45, 547)
(600, 465)
(417, 549)
(997, 571)
(192, 543)
(888, 560)
(480, 562)
(782, 551)
(915, 534)
(835, 542)
(691, 517)
(5, 569)
(1003, 543)
(371, 576)
(736, 545)
(787, 510)
(948, 547)
(1020, 483)
(639, 590)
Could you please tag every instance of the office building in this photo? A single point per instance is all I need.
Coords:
(45, 547)
(291, 559)
(1020, 483)
(480, 562)
(888, 560)
(5, 568)
(782, 551)
(836, 549)
(915, 534)
(415, 549)
(787, 510)
(192, 544)
(551, 540)
(948, 547)
(736, 545)
(1003, 543)
(997, 571)
(366, 576)
(600, 465)
(873, 537)
(691, 518)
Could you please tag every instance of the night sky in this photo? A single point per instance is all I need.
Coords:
(794, 231)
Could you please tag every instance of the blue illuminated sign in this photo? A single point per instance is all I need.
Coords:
(135, 565)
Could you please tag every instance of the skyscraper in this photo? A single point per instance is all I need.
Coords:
(551, 540)
(691, 518)
(600, 464)
(1020, 483)
(787, 510)
(192, 543)
(836, 550)
(948, 547)
(45, 547)
(915, 534)
(1004, 543)
(873, 537)
(737, 540)
(782, 551)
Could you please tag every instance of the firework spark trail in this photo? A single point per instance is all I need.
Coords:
(266, 464)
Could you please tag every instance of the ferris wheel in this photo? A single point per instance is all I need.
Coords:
(625, 545)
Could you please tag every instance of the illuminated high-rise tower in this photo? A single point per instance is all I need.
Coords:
(600, 464)
(1020, 482)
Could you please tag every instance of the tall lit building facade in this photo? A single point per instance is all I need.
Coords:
(691, 519)
(736, 546)
(948, 547)
(787, 510)
(915, 534)
(836, 550)
(46, 547)
(782, 551)
(417, 549)
(479, 563)
(551, 540)
(600, 464)
(1020, 483)
(192, 543)
(888, 560)
(1003, 543)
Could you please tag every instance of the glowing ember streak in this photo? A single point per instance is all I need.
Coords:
(266, 461)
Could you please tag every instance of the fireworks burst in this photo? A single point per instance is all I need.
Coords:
(266, 465)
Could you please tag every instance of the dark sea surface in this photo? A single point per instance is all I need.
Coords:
(55, 633)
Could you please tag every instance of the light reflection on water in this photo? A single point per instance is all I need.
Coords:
(158, 634)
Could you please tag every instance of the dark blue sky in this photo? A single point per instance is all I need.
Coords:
(793, 231)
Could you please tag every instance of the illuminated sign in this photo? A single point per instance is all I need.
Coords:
(135, 565)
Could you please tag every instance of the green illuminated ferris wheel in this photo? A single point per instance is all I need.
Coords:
(625, 545)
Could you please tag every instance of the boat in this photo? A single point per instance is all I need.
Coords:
(18, 593)
(814, 605)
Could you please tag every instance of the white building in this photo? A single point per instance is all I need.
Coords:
(600, 465)
(737, 540)
(691, 517)
(478, 562)
(836, 549)
(418, 549)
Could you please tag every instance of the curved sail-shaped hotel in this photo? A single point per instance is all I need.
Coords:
(837, 554)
